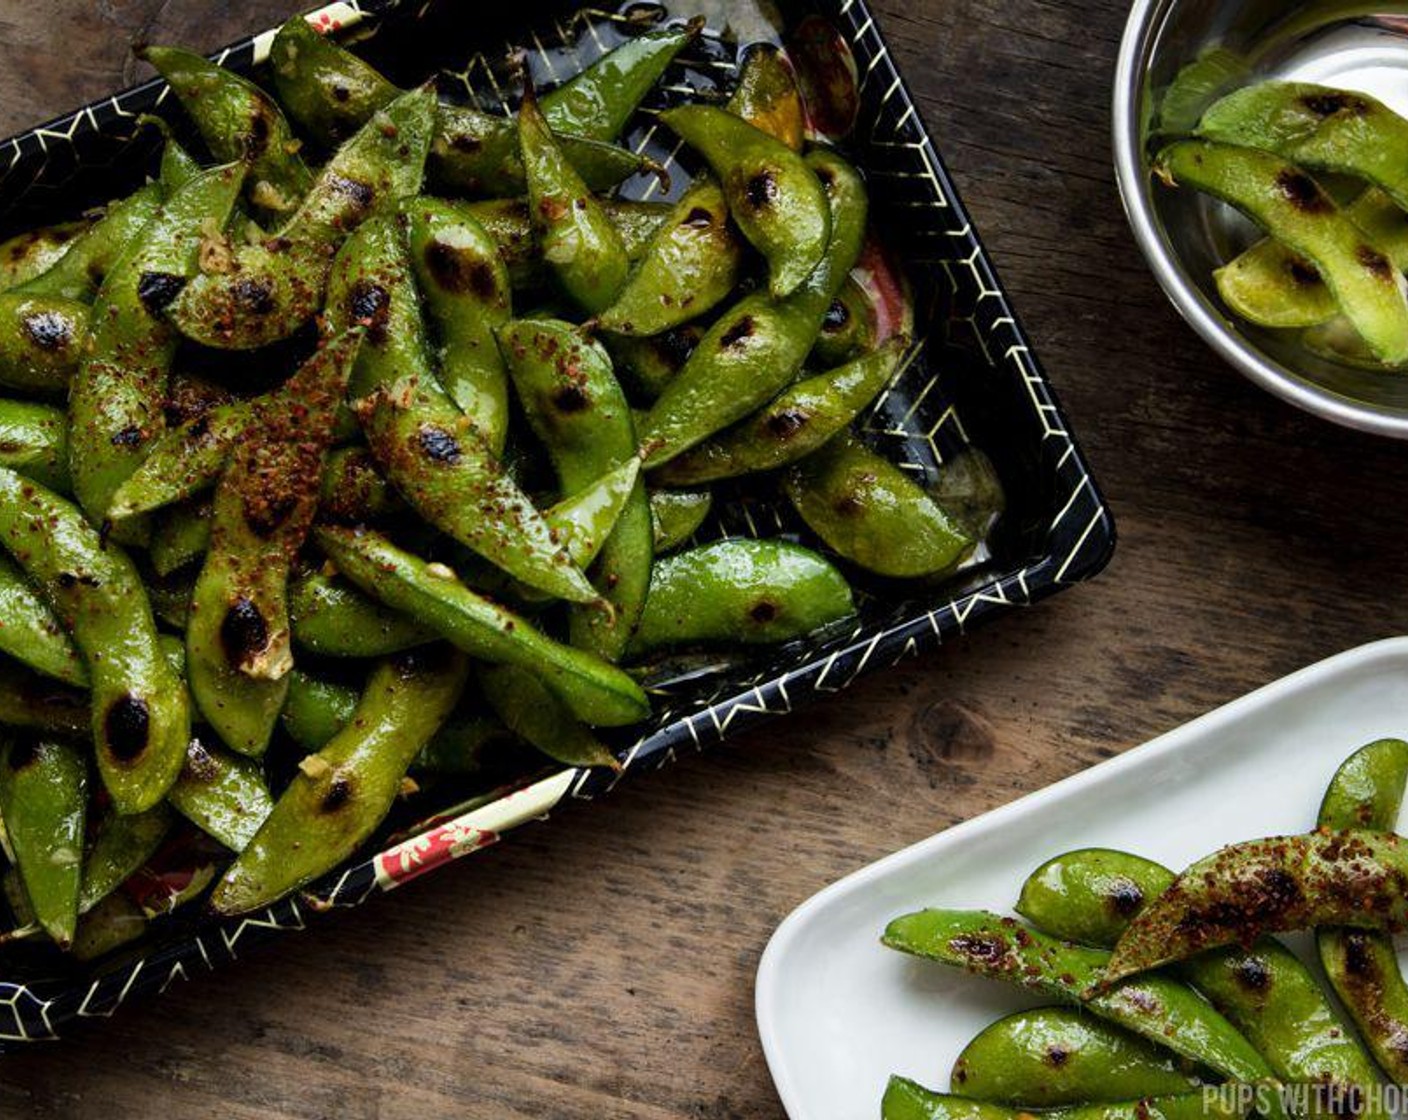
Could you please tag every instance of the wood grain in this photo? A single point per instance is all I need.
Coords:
(602, 966)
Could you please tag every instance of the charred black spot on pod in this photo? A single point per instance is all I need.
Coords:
(1375, 262)
(675, 345)
(1057, 1056)
(1125, 898)
(341, 93)
(254, 295)
(848, 505)
(458, 271)
(256, 140)
(370, 304)
(243, 632)
(1302, 192)
(837, 318)
(465, 143)
(339, 794)
(1359, 956)
(571, 398)
(826, 177)
(127, 728)
(761, 190)
(698, 218)
(264, 514)
(356, 192)
(1252, 973)
(980, 947)
(1303, 274)
(156, 290)
(787, 423)
(1329, 103)
(24, 754)
(48, 330)
(129, 436)
(763, 611)
(438, 444)
(737, 333)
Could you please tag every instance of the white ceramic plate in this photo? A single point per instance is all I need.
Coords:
(838, 1013)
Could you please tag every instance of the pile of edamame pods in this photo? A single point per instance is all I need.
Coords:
(1330, 268)
(1165, 985)
(435, 507)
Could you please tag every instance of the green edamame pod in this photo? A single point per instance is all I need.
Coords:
(797, 422)
(531, 711)
(588, 518)
(1155, 1007)
(332, 618)
(677, 515)
(908, 1100)
(597, 692)
(42, 704)
(122, 844)
(178, 166)
(1277, 883)
(80, 272)
(849, 329)
(238, 121)
(34, 441)
(757, 346)
(41, 341)
(180, 537)
(183, 461)
(327, 90)
(1293, 209)
(465, 285)
(773, 194)
(239, 648)
(43, 801)
(767, 96)
(1362, 967)
(112, 923)
(316, 709)
(874, 514)
(647, 365)
(342, 793)
(575, 405)
(582, 248)
(171, 598)
(140, 719)
(25, 255)
(740, 591)
(428, 448)
(115, 403)
(30, 632)
(267, 290)
(222, 794)
(691, 264)
(353, 489)
(1317, 127)
(1264, 990)
(1061, 1056)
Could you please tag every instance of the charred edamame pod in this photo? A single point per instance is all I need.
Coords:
(43, 802)
(328, 90)
(597, 692)
(532, 712)
(33, 251)
(222, 794)
(353, 489)
(333, 618)
(677, 515)
(80, 272)
(41, 341)
(140, 719)
(342, 793)
(30, 632)
(849, 329)
(741, 590)
(874, 514)
(773, 194)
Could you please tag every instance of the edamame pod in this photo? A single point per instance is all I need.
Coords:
(30, 631)
(80, 272)
(758, 345)
(42, 704)
(327, 90)
(178, 166)
(25, 255)
(691, 264)
(238, 121)
(353, 489)
(112, 923)
(773, 194)
(582, 248)
(41, 341)
(531, 711)
(265, 291)
(646, 365)
(115, 404)
(34, 441)
(43, 802)
(570, 395)
(341, 794)
(140, 719)
(798, 421)
(597, 692)
(588, 518)
(222, 794)
(908, 1100)
(1292, 208)
(1362, 967)
(183, 461)
(1317, 127)
(677, 515)
(1154, 1007)
(180, 537)
(1264, 990)
(849, 329)
(239, 648)
(740, 591)
(1060, 1056)
(1328, 878)
(767, 96)
(465, 285)
(874, 514)
(122, 844)
(334, 619)
(316, 709)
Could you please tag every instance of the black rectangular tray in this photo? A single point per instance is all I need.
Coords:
(976, 379)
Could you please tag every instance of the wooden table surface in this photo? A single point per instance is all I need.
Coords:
(602, 965)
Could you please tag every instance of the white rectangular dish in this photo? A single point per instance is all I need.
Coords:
(838, 1013)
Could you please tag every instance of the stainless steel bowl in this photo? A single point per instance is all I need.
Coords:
(1176, 56)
